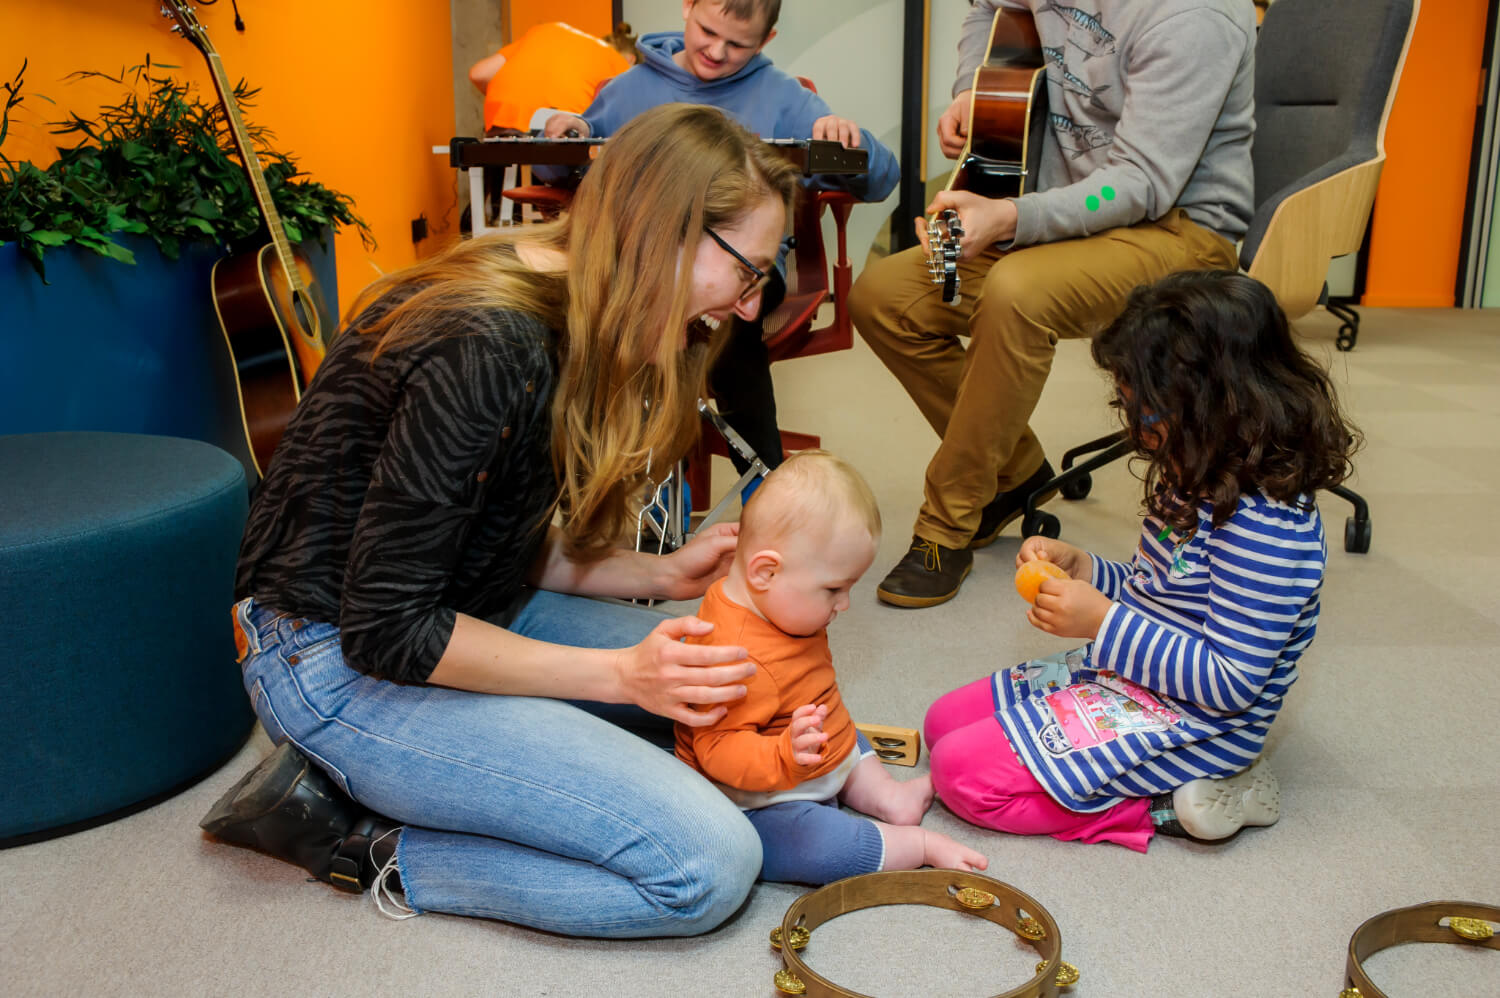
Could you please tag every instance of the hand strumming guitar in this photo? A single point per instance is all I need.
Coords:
(953, 125)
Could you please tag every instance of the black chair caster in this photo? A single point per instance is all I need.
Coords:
(1039, 522)
(1348, 334)
(1357, 536)
(1074, 488)
(1357, 528)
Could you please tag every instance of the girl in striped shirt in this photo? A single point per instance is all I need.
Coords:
(1156, 724)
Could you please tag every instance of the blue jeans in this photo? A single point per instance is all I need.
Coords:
(531, 810)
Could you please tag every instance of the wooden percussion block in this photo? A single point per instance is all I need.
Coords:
(893, 746)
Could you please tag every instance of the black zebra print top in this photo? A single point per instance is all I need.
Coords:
(409, 488)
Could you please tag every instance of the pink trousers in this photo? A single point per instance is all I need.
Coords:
(978, 775)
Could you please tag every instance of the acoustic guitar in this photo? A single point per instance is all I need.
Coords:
(1007, 115)
(269, 305)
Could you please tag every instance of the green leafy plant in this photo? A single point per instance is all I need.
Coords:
(162, 162)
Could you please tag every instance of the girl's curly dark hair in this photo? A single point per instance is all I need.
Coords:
(1220, 399)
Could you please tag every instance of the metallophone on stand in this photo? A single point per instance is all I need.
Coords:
(472, 155)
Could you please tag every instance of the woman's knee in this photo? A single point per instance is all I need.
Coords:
(715, 873)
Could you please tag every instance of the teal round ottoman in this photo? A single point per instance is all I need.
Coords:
(120, 688)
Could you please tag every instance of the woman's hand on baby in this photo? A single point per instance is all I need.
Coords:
(1075, 561)
(807, 734)
(666, 676)
(1069, 608)
(691, 568)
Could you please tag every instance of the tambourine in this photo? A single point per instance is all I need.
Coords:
(969, 893)
(1464, 923)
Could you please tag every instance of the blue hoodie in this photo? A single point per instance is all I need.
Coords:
(761, 97)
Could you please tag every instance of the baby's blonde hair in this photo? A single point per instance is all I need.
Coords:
(812, 490)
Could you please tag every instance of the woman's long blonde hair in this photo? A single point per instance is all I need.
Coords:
(627, 387)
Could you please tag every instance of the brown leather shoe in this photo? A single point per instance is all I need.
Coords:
(1006, 506)
(927, 575)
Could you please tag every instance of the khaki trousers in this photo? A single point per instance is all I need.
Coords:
(1016, 306)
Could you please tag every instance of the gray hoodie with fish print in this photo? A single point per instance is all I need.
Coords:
(1150, 107)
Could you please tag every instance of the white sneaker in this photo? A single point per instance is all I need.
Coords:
(1216, 809)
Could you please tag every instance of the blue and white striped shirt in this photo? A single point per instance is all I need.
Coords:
(1189, 667)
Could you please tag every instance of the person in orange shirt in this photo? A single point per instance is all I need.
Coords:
(552, 65)
(788, 753)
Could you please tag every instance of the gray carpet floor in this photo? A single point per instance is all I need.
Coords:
(1386, 752)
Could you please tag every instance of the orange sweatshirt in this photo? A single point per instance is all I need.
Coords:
(551, 65)
(751, 748)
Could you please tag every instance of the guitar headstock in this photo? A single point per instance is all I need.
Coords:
(185, 23)
(945, 235)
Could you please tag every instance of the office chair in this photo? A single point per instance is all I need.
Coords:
(1320, 117)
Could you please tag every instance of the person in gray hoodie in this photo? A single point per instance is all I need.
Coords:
(1144, 170)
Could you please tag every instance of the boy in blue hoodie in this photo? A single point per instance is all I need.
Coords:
(716, 59)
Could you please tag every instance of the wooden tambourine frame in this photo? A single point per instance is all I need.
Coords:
(969, 893)
(1463, 923)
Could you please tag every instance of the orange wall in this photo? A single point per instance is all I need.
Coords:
(585, 15)
(358, 91)
(1418, 225)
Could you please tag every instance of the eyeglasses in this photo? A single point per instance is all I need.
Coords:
(758, 277)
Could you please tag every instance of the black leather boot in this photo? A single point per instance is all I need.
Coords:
(289, 808)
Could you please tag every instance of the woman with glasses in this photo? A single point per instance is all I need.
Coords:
(457, 724)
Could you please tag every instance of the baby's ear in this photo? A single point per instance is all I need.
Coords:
(761, 567)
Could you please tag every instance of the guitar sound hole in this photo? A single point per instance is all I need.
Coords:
(302, 311)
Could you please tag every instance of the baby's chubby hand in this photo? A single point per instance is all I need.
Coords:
(807, 734)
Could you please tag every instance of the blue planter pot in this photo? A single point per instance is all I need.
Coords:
(125, 349)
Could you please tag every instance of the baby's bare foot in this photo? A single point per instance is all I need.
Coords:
(872, 790)
(907, 801)
(943, 852)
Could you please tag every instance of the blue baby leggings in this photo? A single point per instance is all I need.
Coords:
(814, 842)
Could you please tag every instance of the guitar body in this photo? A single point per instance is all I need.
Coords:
(273, 326)
(1007, 112)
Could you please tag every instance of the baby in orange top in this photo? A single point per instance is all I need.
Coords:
(788, 753)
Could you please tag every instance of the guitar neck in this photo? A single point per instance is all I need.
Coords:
(248, 156)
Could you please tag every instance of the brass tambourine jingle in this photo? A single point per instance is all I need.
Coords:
(789, 983)
(973, 897)
(1471, 928)
(1030, 928)
(800, 937)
